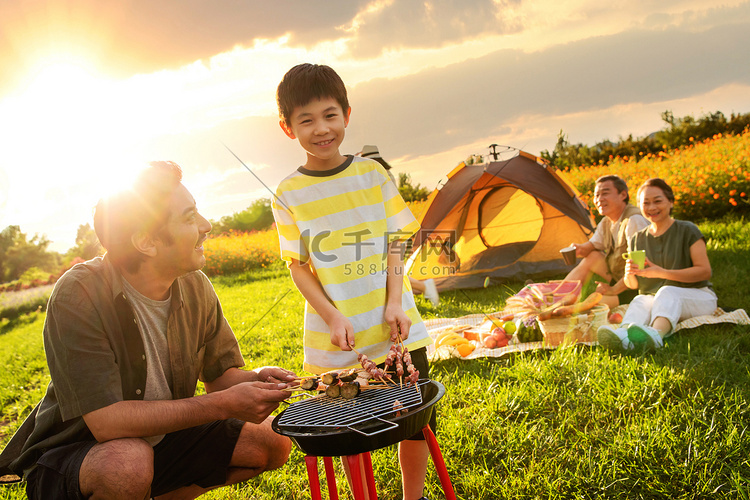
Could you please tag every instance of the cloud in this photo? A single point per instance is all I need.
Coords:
(143, 36)
(391, 26)
(444, 107)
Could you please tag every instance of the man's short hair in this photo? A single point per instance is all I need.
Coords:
(619, 184)
(306, 82)
(143, 207)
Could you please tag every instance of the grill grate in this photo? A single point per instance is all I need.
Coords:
(323, 411)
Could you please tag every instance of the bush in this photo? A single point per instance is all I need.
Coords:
(236, 252)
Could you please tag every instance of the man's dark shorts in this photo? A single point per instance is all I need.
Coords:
(419, 360)
(198, 455)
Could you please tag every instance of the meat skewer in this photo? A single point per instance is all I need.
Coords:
(350, 390)
(349, 375)
(329, 378)
(333, 391)
(390, 358)
(309, 383)
(400, 366)
(371, 367)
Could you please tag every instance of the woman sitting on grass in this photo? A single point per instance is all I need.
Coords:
(673, 285)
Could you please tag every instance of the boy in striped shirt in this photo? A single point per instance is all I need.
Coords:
(342, 225)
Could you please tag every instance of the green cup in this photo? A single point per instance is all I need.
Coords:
(637, 256)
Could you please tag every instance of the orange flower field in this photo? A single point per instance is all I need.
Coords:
(231, 253)
(709, 178)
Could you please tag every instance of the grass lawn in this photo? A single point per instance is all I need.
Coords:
(570, 423)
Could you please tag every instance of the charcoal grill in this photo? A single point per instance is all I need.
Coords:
(328, 427)
(365, 423)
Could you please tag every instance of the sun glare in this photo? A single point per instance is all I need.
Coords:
(66, 142)
(62, 125)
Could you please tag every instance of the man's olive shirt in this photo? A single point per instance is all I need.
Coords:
(96, 356)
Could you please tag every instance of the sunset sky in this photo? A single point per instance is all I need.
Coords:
(91, 90)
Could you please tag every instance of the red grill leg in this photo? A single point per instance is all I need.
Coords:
(357, 490)
(437, 459)
(312, 475)
(333, 493)
(369, 476)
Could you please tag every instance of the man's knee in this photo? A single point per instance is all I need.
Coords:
(125, 466)
(278, 450)
(594, 262)
(260, 447)
(281, 453)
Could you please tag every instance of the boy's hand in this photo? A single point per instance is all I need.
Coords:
(342, 332)
(398, 321)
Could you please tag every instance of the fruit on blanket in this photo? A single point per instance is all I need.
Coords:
(471, 335)
(490, 342)
(465, 349)
(456, 341)
(451, 339)
(496, 321)
(444, 335)
(528, 331)
(509, 327)
(615, 318)
(499, 331)
(583, 306)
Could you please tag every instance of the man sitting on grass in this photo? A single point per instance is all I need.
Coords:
(127, 337)
(602, 254)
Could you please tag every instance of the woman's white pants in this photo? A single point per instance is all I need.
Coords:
(671, 302)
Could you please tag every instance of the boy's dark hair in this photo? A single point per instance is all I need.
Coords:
(142, 207)
(306, 82)
(619, 184)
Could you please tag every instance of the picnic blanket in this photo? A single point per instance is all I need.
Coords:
(436, 325)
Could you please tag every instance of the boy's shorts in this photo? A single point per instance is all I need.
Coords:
(419, 359)
(198, 455)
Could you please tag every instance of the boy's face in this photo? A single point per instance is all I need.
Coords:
(319, 127)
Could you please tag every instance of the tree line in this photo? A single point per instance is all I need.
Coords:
(29, 258)
(677, 133)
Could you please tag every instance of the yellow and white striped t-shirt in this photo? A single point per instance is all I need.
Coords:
(342, 222)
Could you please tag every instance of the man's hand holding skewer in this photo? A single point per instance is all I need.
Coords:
(274, 374)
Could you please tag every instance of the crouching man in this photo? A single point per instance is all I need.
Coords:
(127, 338)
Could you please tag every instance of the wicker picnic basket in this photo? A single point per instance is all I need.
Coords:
(573, 329)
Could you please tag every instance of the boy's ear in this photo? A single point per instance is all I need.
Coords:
(287, 129)
(144, 243)
(348, 114)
